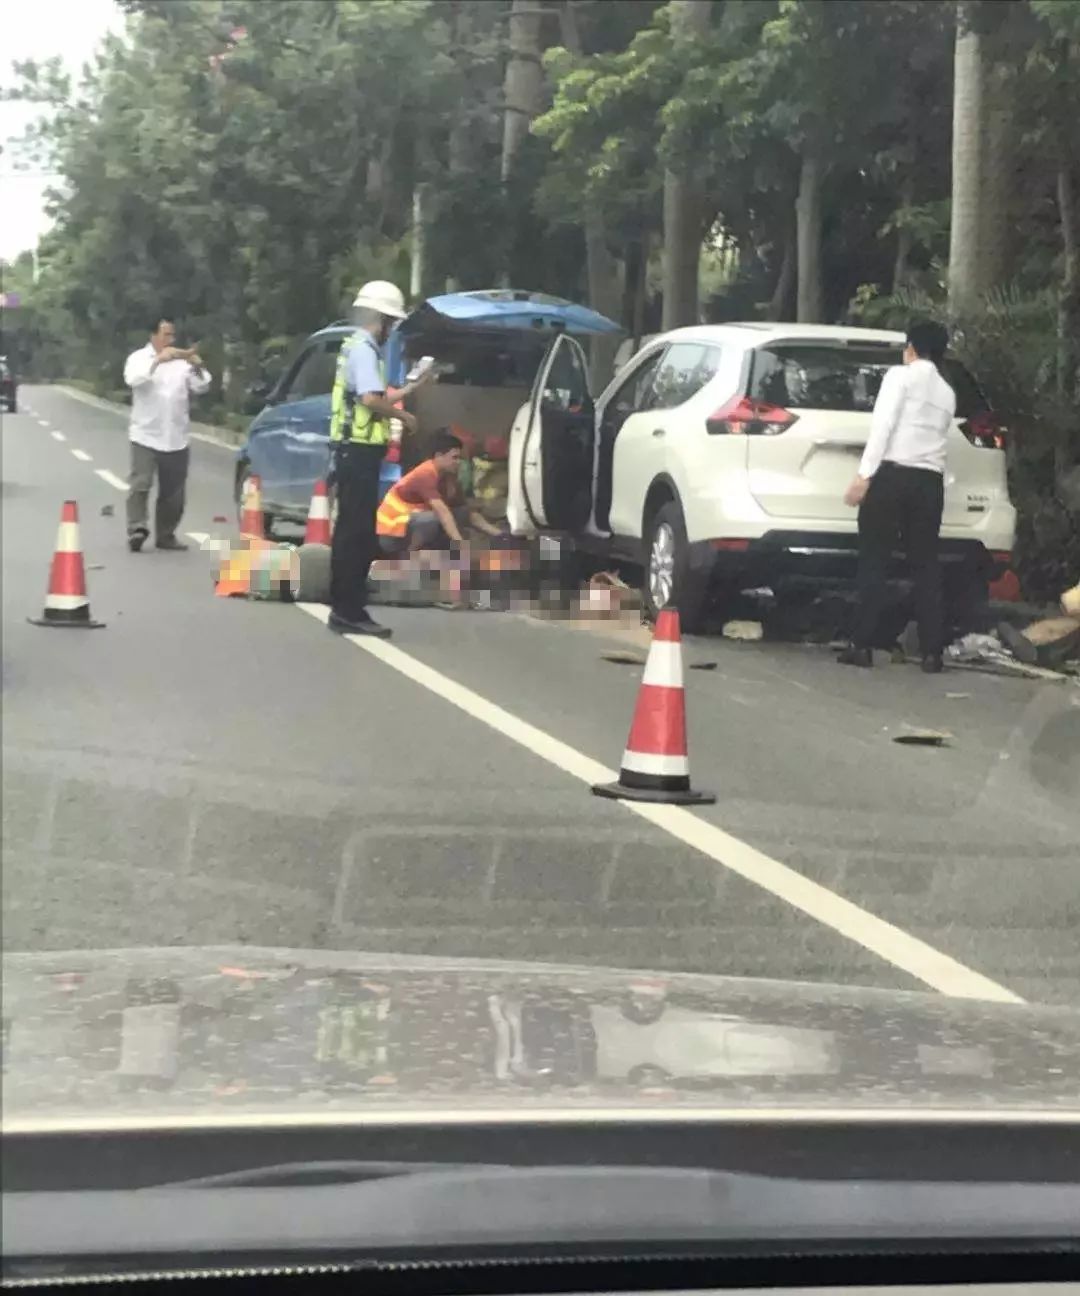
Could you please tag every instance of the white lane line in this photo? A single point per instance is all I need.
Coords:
(58, 436)
(111, 478)
(890, 943)
(44, 422)
(199, 537)
(81, 454)
(198, 431)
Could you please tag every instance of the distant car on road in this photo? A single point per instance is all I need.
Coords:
(8, 386)
(488, 346)
(718, 456)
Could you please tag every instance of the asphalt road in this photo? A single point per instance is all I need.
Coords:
(208, 771)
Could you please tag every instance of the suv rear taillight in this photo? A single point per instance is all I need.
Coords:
(743, 416)
(983, 430)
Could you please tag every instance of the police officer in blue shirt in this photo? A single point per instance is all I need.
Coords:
(360, 414)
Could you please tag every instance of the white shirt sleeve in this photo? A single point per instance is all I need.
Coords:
(198, 380)
(890, 400)
(139, 368)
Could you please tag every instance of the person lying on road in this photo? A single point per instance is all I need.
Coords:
(426, 509)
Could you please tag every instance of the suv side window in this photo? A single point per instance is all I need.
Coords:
(633, 395)
(686, 368)
(314, 375)
(567, 385)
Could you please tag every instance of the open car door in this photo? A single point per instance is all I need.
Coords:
(551, 446)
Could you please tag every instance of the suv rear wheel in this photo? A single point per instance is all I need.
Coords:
(668, 580)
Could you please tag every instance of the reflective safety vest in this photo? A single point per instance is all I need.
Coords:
(392, 518)
(351, 421)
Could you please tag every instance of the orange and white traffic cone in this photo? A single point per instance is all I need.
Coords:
(655, 765)
(251, 510)
(317, 530)
(66, 600)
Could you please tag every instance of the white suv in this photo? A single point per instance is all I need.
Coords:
(718, 456)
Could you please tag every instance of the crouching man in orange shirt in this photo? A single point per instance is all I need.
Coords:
(426, 509)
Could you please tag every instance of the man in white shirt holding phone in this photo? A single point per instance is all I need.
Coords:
(900, 492)
(162, 377)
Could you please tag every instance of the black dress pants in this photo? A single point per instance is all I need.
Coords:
(902, 506)
(353, 544)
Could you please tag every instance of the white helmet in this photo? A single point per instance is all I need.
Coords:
(382, 296)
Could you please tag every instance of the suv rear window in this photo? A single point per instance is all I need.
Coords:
(841, 378)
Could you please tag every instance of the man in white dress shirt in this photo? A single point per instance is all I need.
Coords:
(900, 492)
(162, 378)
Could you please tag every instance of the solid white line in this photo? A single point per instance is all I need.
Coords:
(58, 436)
(81, 454)
(111, 407)
(890, 943)
(111, 478)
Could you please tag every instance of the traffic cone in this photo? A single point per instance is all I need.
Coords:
(251, 511)
(317, 530)
(66, 601)
(655, 765)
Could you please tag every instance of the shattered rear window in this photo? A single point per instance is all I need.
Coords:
(821, 377)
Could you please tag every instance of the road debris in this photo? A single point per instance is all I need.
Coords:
(748, 631)
(923, 738)
(108, 510)
(620, 658)
(703, 665)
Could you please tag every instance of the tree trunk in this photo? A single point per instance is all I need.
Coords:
(603, 279)
(1068, 365)
(965, 258)
(524, 83)
(780, 303)
(462, 124)
(683, 213)
(808, 220)
(601, 270)
(418, 258)
(903, 233)
(637, 287)
(997, 179)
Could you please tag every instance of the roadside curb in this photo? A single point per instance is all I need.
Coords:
(199, 431)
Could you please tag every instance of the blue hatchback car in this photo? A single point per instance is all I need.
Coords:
(488, 346)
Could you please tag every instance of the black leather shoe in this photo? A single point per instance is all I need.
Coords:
(932, 664)
(341, 625)
(853, 656)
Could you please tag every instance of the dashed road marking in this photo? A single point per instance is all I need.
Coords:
(111, 478)
(81, 454)
(895, 946)
(44, 422)
(58, 436)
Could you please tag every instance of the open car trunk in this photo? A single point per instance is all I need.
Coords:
(488, 347)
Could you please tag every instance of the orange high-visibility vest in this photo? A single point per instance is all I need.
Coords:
(392, 519)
